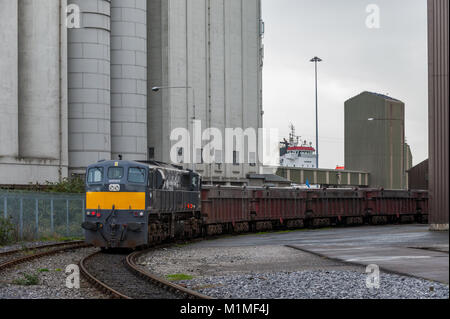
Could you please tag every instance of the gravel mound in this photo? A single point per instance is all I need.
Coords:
(316, 285)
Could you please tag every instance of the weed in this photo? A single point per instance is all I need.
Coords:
(28, 280)
(6, 231)
(179, 277)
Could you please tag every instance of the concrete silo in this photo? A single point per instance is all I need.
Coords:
(33, 91)
(129, 79)
(39, 79)
(215, 47)
(9, 108)
(89, 85)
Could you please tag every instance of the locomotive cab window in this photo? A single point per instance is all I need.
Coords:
(95, 175)
(195, 183)
(151, 178)
(136, 175)
(115, 173)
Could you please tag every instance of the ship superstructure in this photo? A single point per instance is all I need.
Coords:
(297, 152)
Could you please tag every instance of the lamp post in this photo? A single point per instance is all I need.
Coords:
(159, 88)
(316, 60)
(372, 119)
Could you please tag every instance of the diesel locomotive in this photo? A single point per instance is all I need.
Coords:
(134, 204)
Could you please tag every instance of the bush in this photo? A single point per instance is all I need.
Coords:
(74, 185)
(7, 230)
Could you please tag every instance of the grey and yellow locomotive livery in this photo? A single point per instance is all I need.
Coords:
(133, 204)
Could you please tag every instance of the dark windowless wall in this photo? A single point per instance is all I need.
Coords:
(438, 112)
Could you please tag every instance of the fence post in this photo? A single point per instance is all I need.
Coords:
(83, 210)
(21, 219)
(52, 225)
(67, 217)
(5, 206)
(37, 218)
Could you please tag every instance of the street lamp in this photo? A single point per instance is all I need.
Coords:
(156, 89)
(316, 60)
(372, 119)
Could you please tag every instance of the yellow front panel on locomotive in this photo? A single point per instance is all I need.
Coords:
(120, 201)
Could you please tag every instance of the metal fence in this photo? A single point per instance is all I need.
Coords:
(37, 215)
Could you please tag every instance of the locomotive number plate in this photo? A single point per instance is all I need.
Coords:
(114, 188)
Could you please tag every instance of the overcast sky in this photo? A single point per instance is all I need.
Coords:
(390, 60)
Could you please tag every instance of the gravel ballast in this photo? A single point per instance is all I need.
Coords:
(52, 279)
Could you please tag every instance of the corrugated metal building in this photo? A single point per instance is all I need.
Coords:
(325, 177)
(375, 139)
(438, 34)
(418, 176)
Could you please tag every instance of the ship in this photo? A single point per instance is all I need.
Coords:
(297, 153)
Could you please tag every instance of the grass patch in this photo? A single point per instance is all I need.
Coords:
(179, 277)
(28, 280)
(43, 270)
(57, 238)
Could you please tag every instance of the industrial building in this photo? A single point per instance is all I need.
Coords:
(375, 139)
(438, 34)
(209, 54)
(33, 91)
(74, 96)
(325, 177)
(418, 176)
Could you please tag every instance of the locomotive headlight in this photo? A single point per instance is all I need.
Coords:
(141, 214)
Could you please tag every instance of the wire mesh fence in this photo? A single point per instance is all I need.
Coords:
(38, 215)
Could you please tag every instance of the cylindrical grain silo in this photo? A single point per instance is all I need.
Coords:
(129, 79)
(9, 109)
(39, 79)
(89, 85)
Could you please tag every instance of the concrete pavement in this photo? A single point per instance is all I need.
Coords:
(406, 249)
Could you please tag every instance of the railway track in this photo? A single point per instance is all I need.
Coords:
(16, 257)
(128, 280)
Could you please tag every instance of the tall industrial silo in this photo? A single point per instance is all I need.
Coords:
(129, 79)
(39, 79)
(215, 48)
(9, 108)
(89, 85)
